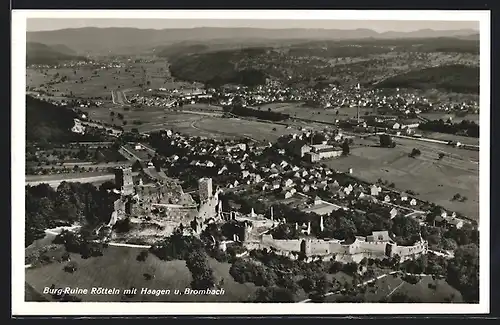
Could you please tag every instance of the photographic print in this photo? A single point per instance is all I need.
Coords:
(244, 159)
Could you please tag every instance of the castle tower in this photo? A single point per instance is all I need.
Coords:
(205, 189)
(252, 214)
(321, 225)
(124, 181)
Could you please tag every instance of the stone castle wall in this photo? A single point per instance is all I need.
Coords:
(354, 252)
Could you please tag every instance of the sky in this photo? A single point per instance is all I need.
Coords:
(39, 24)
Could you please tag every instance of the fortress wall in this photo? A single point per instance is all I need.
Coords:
(343, 253)
(375, 247)
(289, 245)
(404, 251)
(318, 247)
(292, 245)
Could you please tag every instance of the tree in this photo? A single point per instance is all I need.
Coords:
(201, 272)
(441, 156)
(136, 166)
(274, 294)
(345, 148)
(415, 153)
(463, 272)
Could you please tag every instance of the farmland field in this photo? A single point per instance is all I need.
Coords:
(118, 268)
(298, 110)
(434, 180)
(260, 131)
(390, 285)
(95, 82)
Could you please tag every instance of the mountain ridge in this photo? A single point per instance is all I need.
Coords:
(115, 39)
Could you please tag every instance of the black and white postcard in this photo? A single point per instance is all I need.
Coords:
(250, 162)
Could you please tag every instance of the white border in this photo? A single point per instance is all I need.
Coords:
(19, 307)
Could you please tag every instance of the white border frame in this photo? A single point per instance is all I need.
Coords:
(18, 126)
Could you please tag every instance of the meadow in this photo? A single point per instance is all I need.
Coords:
(426, 290)
(87, 82)
(260, 131)
(435, 180)
(299, 110)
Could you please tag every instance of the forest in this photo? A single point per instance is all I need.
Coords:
(454, 78)
(68, 204)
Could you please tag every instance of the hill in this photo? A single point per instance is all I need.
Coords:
(119, 268)
(46, 122)
(38, 53)
(103, 40)
(61, 48)
(180, 49)
(218, 68)
(455, 78)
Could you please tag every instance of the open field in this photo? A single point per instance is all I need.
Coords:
(299, 110)
(146, 119)
(451, 137)
(118, 268)
(95, 82)
(390, 285)
(434, 180)
(260, 131)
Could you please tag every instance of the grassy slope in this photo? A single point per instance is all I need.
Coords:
(38, 53)
(118, 268)
(47, 122)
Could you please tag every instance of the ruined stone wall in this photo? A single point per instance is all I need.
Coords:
(408, 251)
(290, 245)
(354, 252)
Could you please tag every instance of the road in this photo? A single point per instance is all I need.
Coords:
(359, 285)
(55, 183)
(129, 154)
(91, 179)
(118, 97)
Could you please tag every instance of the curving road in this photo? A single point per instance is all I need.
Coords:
(368, 282)
(89, 179)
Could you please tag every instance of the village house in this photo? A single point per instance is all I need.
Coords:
(374, 190)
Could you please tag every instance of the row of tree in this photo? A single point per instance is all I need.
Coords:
(263, 115)
(465, 127)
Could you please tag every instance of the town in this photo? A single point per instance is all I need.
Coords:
(326, 179)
